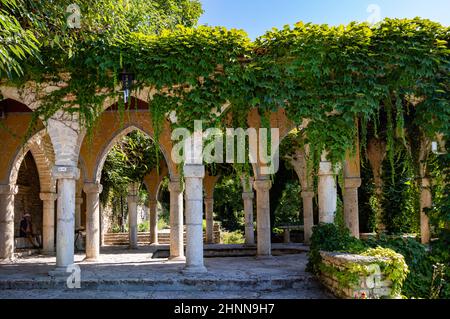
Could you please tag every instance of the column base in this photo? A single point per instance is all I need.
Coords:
(194, 270)
(154, 244)
(133, 247)
(6, 261)
(48, 253)
(177, 258)
(264, 257)
(59, 272)
(91, 260)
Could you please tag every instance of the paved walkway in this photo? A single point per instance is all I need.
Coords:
(123, 273)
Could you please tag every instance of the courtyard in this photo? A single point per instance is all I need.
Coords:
(145, 153)
(121, 273)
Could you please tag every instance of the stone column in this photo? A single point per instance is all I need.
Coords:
(132, 215)
(351, 214)
(78, 203)
(153, 214)
(92, 191)
(66, 177)
(209, 209)
(7, 193)
(193, 176)
(247, 196)
(287, 236)
(48, 227)
(176, 221)
(264, 246)
(425, 202)
(327, 192)
(308, 215)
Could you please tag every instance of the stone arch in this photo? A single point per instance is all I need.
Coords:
(101, 158)
(278, 120)
(152, 181)
(40, 147)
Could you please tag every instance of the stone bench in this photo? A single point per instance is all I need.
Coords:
(24, 243)
(287, 231)
(353, 276)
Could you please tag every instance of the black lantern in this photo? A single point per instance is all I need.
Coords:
(127, 81)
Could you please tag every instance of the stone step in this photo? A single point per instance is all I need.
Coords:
(303, 282)
(113, 239)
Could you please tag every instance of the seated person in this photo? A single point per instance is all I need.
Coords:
(26, 230)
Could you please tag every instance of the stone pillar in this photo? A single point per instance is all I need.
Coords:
(247, 196)
(287, 236)
(209, 209)
(48, 227)
(7, 193)
(327, 192)
(132, 215)
(351, 214)
(153, 214)
(92, 191)
(425, 202)
(66, 177)
(264, 246)
(176, 221)
(193, 176)
(308, 215)
(78, 203)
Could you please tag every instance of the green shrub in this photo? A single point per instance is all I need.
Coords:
(235, 237)
(421, 262)
(116, 229)
(144, 227)
(162, 224)
(329, 237)
(395, 268)
(333, 238)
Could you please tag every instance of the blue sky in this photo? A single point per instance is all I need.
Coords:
(258, 16)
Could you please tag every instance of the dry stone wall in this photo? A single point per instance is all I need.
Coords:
(354, 276)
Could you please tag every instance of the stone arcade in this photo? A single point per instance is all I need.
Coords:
(69, 169)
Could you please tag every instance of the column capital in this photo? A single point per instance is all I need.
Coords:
(48, 196)
(354, 182)
(194, 171)
(9, 189)
(65, 172)
(176, 186)
(307, 194)
(248, 195)
(425, 182)
(78, 200)
(209, 200)
(133, 189)
(152, 202)
(92, 188)
(247, 183)
(326, 169)
(262, 185)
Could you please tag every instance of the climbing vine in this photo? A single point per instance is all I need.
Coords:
(329, 75)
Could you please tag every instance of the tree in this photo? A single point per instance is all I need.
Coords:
(16, 43)
(44, 28)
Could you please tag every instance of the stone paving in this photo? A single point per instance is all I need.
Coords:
(123, 273)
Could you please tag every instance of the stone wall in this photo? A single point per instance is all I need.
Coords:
(27, 199)
(354, 276)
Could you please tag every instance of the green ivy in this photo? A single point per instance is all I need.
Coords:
(330, 75)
